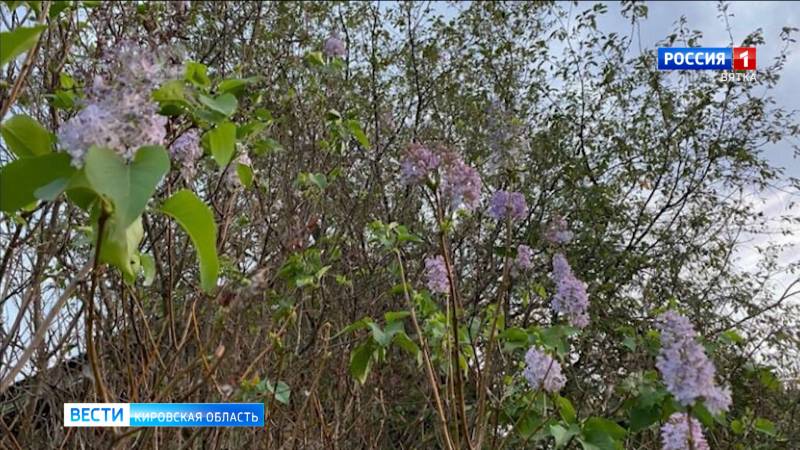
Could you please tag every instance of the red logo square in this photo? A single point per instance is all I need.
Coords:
(744, 58)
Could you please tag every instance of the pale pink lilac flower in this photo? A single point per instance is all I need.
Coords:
(462, 184)
(676, 433)
(186, 151)
(119, 113)
(504, 204)
(558, 232)
(542, 371)
(571, 298)
(523, 260)
(334, 47)
(436, 274)
(687, 371)
(418, 164)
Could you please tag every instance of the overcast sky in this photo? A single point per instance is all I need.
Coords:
(771, 17)
(745, 17)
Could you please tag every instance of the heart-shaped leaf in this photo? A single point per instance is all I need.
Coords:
(128, 186)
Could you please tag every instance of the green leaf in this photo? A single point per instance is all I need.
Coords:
(119, 246)
(245, 173)
(225, 104)
(405, 342)
(196, 218)
(196, 74)
(361, 361)
(222, 142)
(281, 391)
(355, 128)
(22, 179)
(600, 433)
(129, 186)
(173, 91)
(148, 268)
(766, 426)
(357, 325)
(315, 59)
(393, 316)
(733, 337)
(563, 435)
(565, 409)
(380, 337)
(235, 85)
(737, 426)
(642, 417)
(17, 41)
(25, 137)
(319, 180)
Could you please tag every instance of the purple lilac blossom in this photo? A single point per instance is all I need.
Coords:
(334, 46)
(506, 204)
(462, 184)
(558, 232)
(118, 112)
(436, 274)
(571, 298)
(687, 371)
(186, 151)
(523, 261)
(542, 371)
(418, 164)
(676, 433)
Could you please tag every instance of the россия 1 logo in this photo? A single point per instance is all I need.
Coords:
(707, 58)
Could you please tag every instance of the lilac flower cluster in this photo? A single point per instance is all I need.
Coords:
(506, 204)
(333, 46)
(571, 298)
(679, 430)
(418, 164)
(462, 184)
(542, 371)
(186, 151)
(687, 371)
(118, 112)
(436, 274)
(523, 260)
(558, 232)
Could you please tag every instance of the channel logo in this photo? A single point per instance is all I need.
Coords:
(707, 58)
(163, 414)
